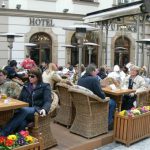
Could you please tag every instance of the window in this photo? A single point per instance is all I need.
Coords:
(120, 2)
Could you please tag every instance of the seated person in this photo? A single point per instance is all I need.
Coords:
(102, 73)
(109, 81)
(8, 87)
(38, 95)
(89, 81)
(116, 74)
(12, 72)
(51, 76)
(28, 63)
(132, 81)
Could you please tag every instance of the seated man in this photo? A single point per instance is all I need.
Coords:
(89, 81)
(133, 81)
(8, 87)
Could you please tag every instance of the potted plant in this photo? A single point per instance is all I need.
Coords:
(19, 141)
(132, 125)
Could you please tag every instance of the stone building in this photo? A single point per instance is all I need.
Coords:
(41, 22)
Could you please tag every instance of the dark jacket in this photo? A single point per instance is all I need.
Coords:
(11, 73)
(92, 84)
(40, 97)
(102, 75)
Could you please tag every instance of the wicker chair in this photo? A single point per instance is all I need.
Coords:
(65, 113)
(143, 98)
(91, 117)
(42, 125)
(5, 116)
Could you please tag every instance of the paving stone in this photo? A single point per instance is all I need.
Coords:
(141, 145)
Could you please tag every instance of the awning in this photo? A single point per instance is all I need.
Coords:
(113, 13)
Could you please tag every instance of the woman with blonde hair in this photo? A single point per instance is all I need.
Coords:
(51, 76)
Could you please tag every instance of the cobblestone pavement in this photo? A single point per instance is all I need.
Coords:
(142, 145)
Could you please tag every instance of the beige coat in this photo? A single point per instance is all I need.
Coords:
(51, 77)
(139, 83)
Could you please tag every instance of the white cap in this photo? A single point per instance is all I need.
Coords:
(116, 68)
(128, 65)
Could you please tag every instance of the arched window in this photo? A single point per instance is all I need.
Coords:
(43, 50)
(122, 51)
(90, 37)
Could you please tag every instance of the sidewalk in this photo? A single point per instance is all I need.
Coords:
(141, 145)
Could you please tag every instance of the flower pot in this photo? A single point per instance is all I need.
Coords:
(128, 130)
(30, 147)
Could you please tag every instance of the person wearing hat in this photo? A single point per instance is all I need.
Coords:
(132, 81)
(116, 74)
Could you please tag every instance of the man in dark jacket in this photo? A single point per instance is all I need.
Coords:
(90, 81)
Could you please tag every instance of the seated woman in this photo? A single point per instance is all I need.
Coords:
(133, 81)
(38, 95)
(51, 76)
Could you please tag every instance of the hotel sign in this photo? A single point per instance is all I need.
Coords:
(44, 22)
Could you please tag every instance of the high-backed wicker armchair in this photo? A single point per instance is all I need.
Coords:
(143, 98)
(91, 117)
(64, 115)
(42, 125)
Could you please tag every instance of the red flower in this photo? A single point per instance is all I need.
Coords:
(2, 139)
(9, 142)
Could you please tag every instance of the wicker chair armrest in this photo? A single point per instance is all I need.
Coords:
(140, 92)
(55, 101)
(92, 102)
(37, 118)
(93, 96)
(37, 115)
(63, 85)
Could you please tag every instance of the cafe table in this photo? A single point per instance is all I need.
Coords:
(7, 107)
(117, 94)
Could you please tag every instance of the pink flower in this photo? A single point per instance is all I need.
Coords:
(24, 133)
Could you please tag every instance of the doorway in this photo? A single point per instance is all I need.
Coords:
(43, 50)
(122, 51)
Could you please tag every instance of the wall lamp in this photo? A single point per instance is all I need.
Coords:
(65, 10)
(18, 6)
(3, 4)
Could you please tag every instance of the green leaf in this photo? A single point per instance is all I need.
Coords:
(5, 148)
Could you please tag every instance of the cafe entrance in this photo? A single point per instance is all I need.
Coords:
(122, 51)
(43, 50)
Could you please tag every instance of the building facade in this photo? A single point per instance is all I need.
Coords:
(41, 22)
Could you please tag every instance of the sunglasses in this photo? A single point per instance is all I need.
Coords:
(32, 76)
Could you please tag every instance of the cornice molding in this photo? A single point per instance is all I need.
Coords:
(87, 3)
(48, 0)
(40, 14)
